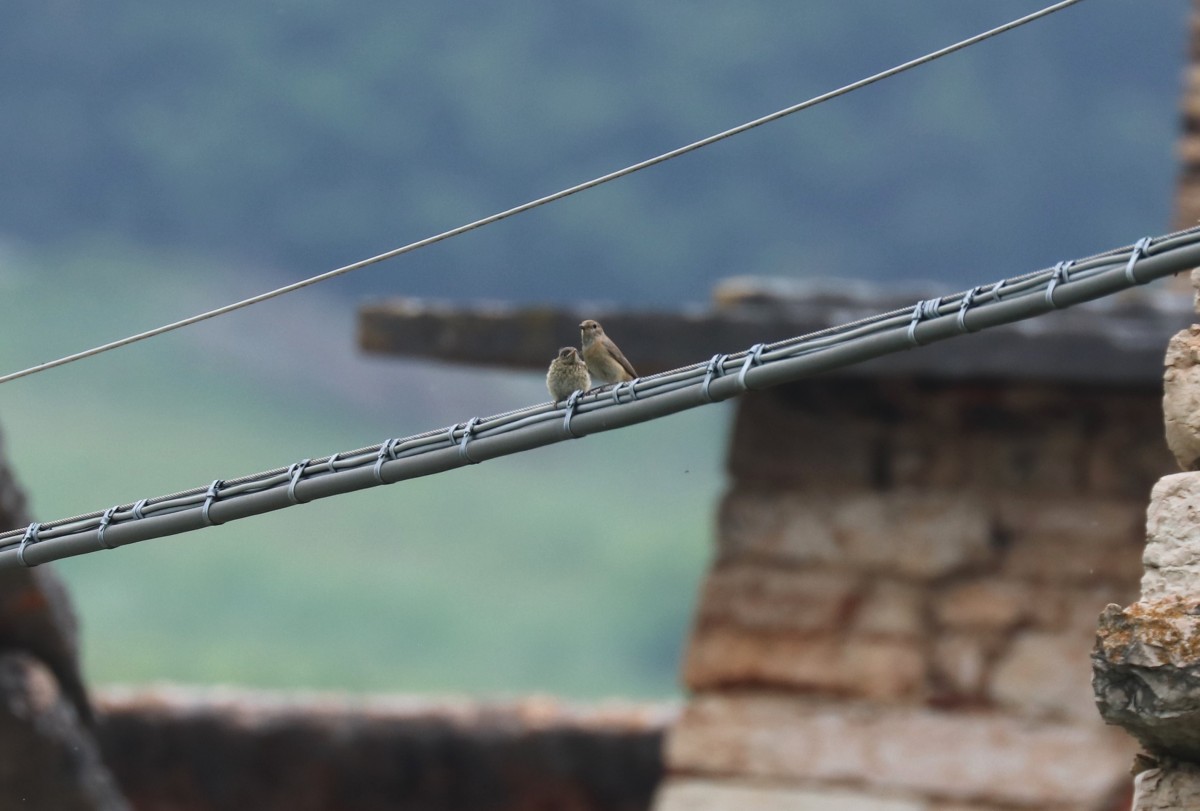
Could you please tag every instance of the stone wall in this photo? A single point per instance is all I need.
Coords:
(904, 597)
(1146, 661)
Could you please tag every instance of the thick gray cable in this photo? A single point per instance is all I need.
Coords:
(480, 439)
(541, 201)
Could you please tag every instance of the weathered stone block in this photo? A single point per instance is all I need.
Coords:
(1102, 521)
(1181, 397)
(1068, 559)
(916, 454)
(757, 596)
(1172, 553)
(985, 604)
(1035, 439)
(1081, 540)
(891, 607)
(957, 806)
(1027, 457)
(813, 434)
(959, 667)
(904, 533)
(1053, 605)
(879, 434)
(975, 757)
(1146, 673)
(913, 534)
(732, 795)
(1126, 454)
(1046, 675)
(788, 526)
(880, 668)
(1174, 787)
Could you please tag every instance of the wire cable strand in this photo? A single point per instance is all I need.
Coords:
(541, 201)
(706, 382)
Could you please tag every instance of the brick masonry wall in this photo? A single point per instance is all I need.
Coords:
(905, 593)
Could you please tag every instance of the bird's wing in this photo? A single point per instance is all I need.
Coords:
(620, 358)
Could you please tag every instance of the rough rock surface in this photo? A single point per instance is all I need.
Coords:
(1172, 554)
(48, 754)
(1172, 787)
(35, 611)
(1146, 673)
(1181, 397)
(48, 758)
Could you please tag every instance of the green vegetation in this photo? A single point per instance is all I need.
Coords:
(306, 135)
(571, 569)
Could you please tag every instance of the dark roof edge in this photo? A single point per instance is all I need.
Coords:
(1119, 340)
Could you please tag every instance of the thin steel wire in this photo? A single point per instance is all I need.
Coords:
(541, 201)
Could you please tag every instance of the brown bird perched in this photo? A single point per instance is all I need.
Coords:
(568, 374)
(604, 360)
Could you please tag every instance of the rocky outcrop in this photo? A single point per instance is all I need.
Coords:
(49, 757)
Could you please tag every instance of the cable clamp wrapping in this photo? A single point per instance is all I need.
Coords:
(752, 358)
(31, 536)
(631, 385)
(387, 453)
(922, 311)
(1060, 275)
(105, 520)
(209, 498)
(468, 435)
(572, 402)
(1139, 250)
(295, 471)
(967, 300)
(331, 462)
(713, 371)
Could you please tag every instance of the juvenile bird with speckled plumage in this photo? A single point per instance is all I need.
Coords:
(568, 374)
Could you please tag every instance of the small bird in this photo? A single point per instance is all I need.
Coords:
(604, 360)
(568, 374)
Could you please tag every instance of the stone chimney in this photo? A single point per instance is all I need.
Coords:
(904, 594)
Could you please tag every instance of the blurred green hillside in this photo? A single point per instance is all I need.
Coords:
(306, 135)
(570, 569)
